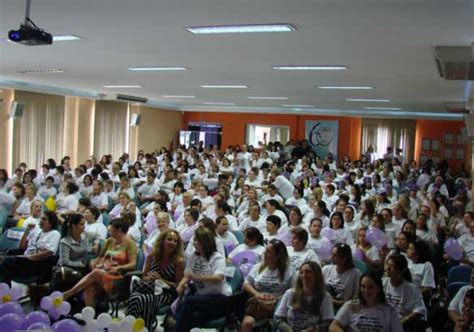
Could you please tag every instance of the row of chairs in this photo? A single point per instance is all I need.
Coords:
(458, 277)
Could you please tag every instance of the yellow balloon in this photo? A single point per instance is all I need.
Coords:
(50, 204)
(138, 325)
(20, 222)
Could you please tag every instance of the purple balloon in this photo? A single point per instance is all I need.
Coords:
(11, 308)
(453, 249)
(54, 313)
(245, 269)
(328, 233)
(64, 308)
(357, 253)
(187, 234)
(36, 317)
(376, 237)
(66, 325)
(16, 292)
(46, 303)
(11, 322)
(229, 246)
(246, 256)
(325, 251)
(150, 224)
(40, 326)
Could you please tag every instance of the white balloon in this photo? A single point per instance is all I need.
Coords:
(78, 316)
(125, 325)
(129, 318)
(114, 327)
(92, 326)
(104, 320)
(88, 313)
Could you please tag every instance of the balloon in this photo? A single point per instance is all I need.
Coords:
(64, 308)
(46, 303)
(56, 294)
(16, 292)
(4, 288)
(114, 327)
(88, 313)
(150, 224)
(357, 253)
(66, 325)
(229, 246)
(138, 325)
(54, 313)
(36, 317)
(245, 269)
(11, 322)
(104, 320)
(40, 327)
(187, 234)
(246, 256)
(325, 251)
(453, 249)
(11, 308)
(376, 237)
(328, 233)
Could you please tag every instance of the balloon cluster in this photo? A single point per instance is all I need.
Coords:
(245, 260)
(453, 249)
(376, 237)
(55, 317)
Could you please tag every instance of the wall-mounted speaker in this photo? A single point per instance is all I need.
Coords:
(135, 119)
(16, 110)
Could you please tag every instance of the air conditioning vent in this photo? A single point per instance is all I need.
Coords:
(455, 62)
(127, 98)
(458, 107)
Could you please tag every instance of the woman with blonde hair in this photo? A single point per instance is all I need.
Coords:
(305, 307)
(163, 270)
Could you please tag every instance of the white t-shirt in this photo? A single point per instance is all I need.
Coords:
(260, 224)
(343, 235)
(6, 200)
(96, 231)
(422, 274)
(406, 298)
(203, 267)
(67, 203)
(41, 241)
(228, 237)
(99, 200)
(46, 192)
(32, 221)
(467, 243)
(457, 302)
(317, 244)
(303, 319)
(268, 281)
(285, 188)
(381, 318)
(344, 286)
(298, 257)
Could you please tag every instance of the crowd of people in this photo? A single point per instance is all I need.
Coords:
(304, 220)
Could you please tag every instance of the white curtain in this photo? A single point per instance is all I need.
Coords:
(110, 128)
(38, 134)
(382, 133)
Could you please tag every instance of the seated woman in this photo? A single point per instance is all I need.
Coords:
(422, 271)
(341, 234)
(33, 221)
(403, 295)
(223, 233)
(369, 312)
(305, 307)
(253, 241)
(39, 247)
(266, 283)
(123, 199)
(24, 209)
(48, 190)
(118, 256)
(273, 224)
(298, 251)
(371, 253)
(98, 197)
(316, 241)
(342, 278)
(205, 270)
(73, 249)
(66, 201)
(94, 229)
(163, 223)
(165, 264)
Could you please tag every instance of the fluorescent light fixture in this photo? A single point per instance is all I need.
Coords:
(384, 108)
(369, 100)
(299, 106)
(269, 98)
(247, 28)
(156, 68)
(298, 67)
(42, 71)
(207, 86)
(340, 87)
(65, 38)
(179, 96)
(220, 104)
(121, 86)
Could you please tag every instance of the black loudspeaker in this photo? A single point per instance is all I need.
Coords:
(135, 119)
(16, 110)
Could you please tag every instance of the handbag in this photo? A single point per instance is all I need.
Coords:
(67, 274)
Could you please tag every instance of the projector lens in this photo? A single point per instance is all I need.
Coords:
(14, 35)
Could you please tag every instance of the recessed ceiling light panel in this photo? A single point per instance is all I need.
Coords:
(157, 68)
(121, 86)
(340, 87)
(369, 100)
(210, 86)
(247, 28)
(179, 96)
(384, 108)
(42, 71)
(300, 67)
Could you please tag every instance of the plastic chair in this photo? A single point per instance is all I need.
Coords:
(460, 273)
(105, 219)
(11, 238)
(3, 218)
(360, 265)
(454, 287)
(239, 235)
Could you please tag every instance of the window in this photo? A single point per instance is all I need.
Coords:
(266, 133)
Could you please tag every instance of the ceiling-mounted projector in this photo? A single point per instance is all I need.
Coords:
(29, 33)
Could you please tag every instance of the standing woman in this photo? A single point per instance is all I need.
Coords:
(369, 312)
(305, 307)
(342, 278)
(165, 264)
(205, 269)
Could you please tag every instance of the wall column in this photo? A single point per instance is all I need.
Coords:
(6, 130)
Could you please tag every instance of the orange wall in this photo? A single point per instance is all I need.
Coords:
(234, 126)
(435, 130)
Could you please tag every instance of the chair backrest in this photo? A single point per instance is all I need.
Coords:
(11, 238)
(234, 277)
(140, 259)
(454, 287)
(360, 265)
(239, 235)
(460, 273)
(3, 218)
